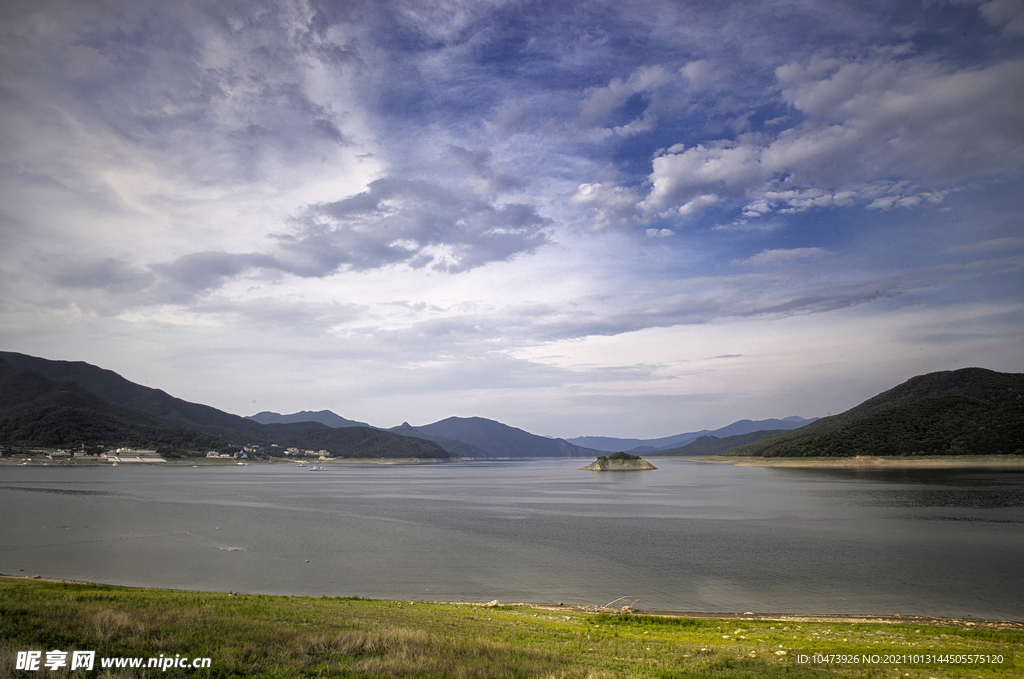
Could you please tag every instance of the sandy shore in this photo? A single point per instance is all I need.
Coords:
(996, 462)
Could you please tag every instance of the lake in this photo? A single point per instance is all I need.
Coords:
(688, 537)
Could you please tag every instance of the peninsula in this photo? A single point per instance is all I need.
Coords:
(618, 462)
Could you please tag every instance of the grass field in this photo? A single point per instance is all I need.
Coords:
(274, 636)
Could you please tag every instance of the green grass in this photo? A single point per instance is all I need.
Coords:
(273, 636)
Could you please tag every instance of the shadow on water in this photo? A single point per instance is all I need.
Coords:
(957, 488)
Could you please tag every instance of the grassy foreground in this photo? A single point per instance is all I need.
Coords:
(274, 636)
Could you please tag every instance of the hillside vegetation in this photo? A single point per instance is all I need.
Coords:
(713, 445)
(37, 412)
(500, 440)
(454, 447)
(971, 411)
(56, 404)
(322, 416)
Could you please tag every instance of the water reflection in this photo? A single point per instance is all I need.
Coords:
(964, 489)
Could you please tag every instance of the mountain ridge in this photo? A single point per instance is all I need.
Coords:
(966, 411)
(714, 445)
(970, 411)
(502, 440)
(37, 411)
(137, 403)
(453, 446)
(324, 417)
(610, 444)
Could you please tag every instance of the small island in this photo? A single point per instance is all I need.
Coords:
(618, 462)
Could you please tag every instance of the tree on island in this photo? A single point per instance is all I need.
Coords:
(618, 456)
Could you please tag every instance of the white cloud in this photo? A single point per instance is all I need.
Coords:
(912, 117)
(609, 204)
(865, 122)
(888, 202)
(705, 172)
(1009, 14)
(701, 73)
(600, 102)
(783, 257)
(992, 244)
(698, 204)
(197, 188)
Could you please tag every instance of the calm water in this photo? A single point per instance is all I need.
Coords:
(688, 537)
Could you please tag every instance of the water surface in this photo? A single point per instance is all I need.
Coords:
(687, 537)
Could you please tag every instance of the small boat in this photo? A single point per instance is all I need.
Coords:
(318, 469)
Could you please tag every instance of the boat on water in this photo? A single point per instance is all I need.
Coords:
(318, 469)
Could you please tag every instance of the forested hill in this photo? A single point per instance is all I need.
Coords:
(62, 403)
(38, 412)
(971, 411)
(713, 445)
(110, 386)
(500, 440)
(325, 417)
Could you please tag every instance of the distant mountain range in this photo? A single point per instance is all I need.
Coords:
(971, 411)
(63, 403)
(66, 403)
(456, 448)
(466, 437)
(669, 442)
(708, 445)
(479, 437)
(324, 417)
(60, 403)
(500, 440)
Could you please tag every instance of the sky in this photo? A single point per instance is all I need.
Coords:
(627, 219)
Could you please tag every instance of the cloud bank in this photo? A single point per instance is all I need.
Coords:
(503, 208)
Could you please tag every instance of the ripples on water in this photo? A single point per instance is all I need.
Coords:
(689, 536)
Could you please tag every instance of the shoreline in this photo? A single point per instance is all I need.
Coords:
(215, 462)
(860, 462)
(876, 462)
(850, 618)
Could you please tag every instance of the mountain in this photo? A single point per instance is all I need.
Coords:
(971, 411)
(325, 417)
(668, 442)
(143, 406)
(500, 440)
(351, 442)
(456, 448)
(110, 386)
(452, 445)
(38, 412)
(713, 445)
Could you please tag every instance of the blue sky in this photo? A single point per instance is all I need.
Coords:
(620, 219)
